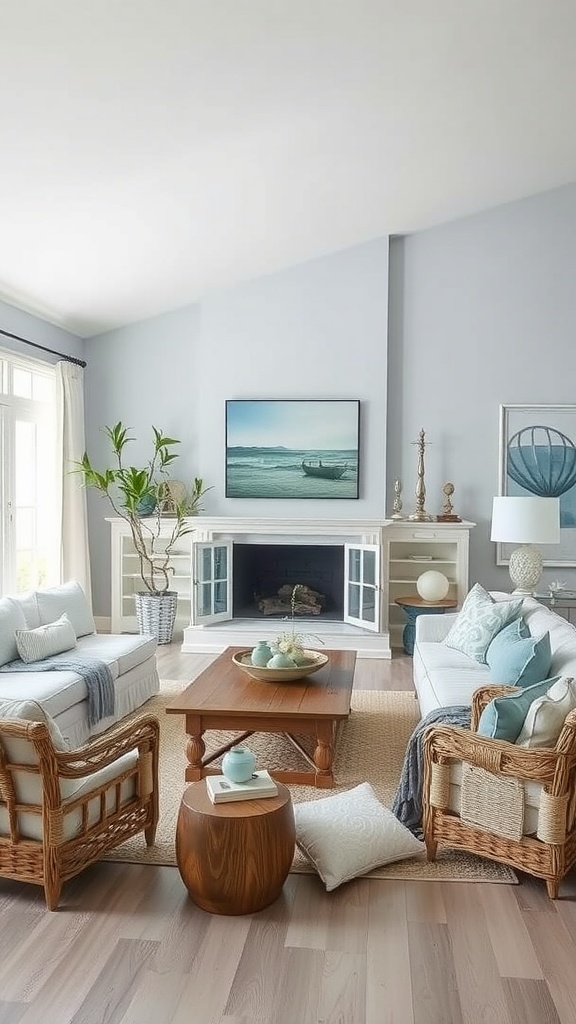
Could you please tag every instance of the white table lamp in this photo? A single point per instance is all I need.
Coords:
(525, 521)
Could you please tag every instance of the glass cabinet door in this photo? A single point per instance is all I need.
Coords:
(362, 585)
(212, 582)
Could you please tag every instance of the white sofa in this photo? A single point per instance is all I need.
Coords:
(444, 676)
(63, 695)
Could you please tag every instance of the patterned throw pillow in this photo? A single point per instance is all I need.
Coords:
(478, 622)
(350, 833)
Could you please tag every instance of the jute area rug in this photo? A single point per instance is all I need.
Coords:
(369, 748)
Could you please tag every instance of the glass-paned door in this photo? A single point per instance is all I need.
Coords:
(212, 582)
(362, 585)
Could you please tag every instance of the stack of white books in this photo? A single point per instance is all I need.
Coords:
(221, 790)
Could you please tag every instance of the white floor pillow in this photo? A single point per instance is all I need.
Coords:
(350, 833)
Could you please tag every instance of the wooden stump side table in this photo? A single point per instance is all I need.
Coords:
(414, 605)
(234, 857)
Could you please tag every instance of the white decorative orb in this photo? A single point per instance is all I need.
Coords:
(432, 585)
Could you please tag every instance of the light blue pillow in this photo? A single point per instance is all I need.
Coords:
(518, 660)
(478, 622)
(503, 717)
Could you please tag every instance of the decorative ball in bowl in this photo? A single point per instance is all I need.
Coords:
(313, 661)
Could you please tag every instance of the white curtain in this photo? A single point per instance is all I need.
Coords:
(75, 559)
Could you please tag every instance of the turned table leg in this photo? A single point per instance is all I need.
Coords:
(195, 748)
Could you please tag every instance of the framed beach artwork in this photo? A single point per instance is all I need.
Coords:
(292, 449)
(538, 456)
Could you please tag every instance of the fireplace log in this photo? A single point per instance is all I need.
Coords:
(308, 601)
(305, 594)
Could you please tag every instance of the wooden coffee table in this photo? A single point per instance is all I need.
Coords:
(224, 697)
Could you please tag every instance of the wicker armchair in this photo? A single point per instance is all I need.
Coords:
(61, 810)
(508, 803)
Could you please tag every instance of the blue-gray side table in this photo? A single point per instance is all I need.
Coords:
(414, 605)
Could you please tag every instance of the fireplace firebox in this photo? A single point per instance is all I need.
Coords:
(259, 570)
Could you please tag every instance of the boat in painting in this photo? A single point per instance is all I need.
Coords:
(325, 470)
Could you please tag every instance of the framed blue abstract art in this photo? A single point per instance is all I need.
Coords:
(538, 457)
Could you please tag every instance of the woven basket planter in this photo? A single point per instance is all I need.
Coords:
(156, 614)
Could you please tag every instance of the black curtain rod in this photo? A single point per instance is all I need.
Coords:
(34, 344)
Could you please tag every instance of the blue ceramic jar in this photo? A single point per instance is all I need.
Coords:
(238, 764)
(281, 660)
(261, 654)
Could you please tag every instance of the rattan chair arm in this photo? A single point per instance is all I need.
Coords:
(144, 733)
(445, 743)
(483, 695)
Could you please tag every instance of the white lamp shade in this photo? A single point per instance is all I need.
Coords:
(526, 520)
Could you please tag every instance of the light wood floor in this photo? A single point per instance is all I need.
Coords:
(127, 946)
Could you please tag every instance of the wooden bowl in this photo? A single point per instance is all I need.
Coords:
(315, 660)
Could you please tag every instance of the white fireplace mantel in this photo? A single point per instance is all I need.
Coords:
(256, 530)
(396, 552)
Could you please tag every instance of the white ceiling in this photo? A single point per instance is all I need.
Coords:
(152, 150)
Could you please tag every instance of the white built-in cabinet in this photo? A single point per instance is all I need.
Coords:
(126, 579)
(382, 561)
(411, 549)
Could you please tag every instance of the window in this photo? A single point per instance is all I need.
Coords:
(28, 522)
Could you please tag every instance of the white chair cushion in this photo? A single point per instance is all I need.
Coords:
(29, 790)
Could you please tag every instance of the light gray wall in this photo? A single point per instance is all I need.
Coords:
(318, 330)
(482, 313)
(15, 321)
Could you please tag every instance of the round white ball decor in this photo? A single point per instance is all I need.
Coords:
(432, 585)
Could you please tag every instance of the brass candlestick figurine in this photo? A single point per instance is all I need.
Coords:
(420, 515)
(397, 506)
(448, 515)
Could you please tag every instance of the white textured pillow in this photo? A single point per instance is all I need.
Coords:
(70, 598)
(43, 642)
(478, 622)
(350, 833)
(545, 718)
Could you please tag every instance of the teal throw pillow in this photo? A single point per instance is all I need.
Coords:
(478, 622)
(518, 660)
(503, 717)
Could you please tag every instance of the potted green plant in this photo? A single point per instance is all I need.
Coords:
(138, 496)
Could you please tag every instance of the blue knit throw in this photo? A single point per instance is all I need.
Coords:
(95, 673)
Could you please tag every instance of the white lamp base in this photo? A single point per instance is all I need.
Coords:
(525, 569)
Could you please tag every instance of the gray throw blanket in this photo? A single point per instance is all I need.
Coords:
(407, 804)
(95, 673)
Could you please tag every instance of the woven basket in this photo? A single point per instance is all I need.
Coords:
(156, 613)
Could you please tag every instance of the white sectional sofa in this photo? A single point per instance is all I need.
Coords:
(63, 695)
(444, 676)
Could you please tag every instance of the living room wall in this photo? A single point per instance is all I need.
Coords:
(318, 330)
(482, 313)
(33, 328)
